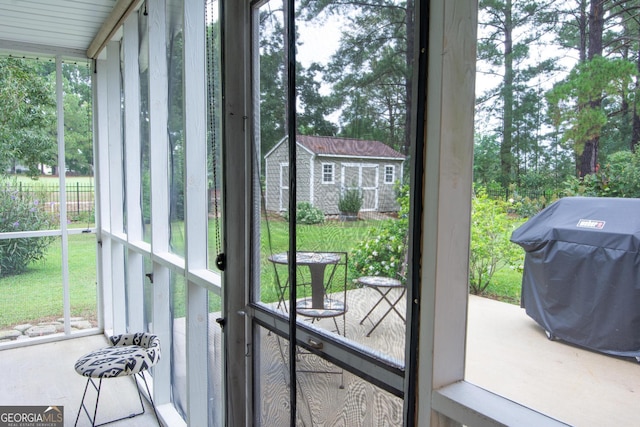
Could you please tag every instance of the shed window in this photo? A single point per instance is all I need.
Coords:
(327, 173)
(389, 174)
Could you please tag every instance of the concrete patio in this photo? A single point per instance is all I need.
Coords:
(44, 375)
(508, 353)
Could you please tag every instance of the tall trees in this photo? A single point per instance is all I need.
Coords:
(527, 44)
(588, 161)
(368, 77)
(313, 108)
(581, 104)
(594, 98)
(626, 45)
(272, 77)
(28, 122)
(508, 30)
(27, 115)
(593, 108)
(77, 118)
(370, 72)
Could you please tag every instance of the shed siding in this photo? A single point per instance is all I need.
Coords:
(326, 195)
(387, 195)
(367, 173)
(277, 177)
(273, 191)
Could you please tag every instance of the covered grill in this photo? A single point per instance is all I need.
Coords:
(581, 279)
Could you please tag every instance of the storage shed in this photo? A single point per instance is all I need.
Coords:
(581, 278)
(328, 166)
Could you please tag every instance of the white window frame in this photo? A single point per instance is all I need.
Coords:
(393, 174)
(333, 172)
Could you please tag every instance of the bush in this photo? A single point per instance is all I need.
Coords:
(306, 213)
(525, 206)
(491, 248)
(620, 177)
(382, 252)
(623, 171)
(21, 211)
(350, 201)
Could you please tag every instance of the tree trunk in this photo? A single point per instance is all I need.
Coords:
(589, 158)
(583, 28)
(506, 162)
(635, 133)
(596, 25)
(635, 130)
(588, 163)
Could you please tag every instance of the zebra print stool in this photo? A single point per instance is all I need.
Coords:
(129, 355)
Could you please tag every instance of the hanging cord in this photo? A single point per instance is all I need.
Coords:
(213, 135)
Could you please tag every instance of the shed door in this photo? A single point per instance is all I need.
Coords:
(365, 177)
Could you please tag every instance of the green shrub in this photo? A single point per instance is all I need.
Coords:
(350, 201)
(623, 170)
(21, 211)
(491, 248)
(306, 213)
(526, 207)
(382, 252)
(619, 177)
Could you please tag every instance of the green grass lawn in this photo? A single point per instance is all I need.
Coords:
(505, 286)
(331, 236)
(36, 295)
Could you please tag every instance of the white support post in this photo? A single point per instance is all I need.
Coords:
(97, 200)
(101, 136)
(158, 119)
(195, 113)
(446, 199)
(66, 304)
(135, 261)
(115, 186)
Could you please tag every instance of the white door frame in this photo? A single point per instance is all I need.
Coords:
(375, 188)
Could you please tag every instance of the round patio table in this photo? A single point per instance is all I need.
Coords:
(317, 262)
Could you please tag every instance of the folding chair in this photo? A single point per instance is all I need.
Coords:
(385, 286)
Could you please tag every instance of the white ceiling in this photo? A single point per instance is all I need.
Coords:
(51, 27)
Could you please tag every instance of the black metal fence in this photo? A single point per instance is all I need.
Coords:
(80, 197)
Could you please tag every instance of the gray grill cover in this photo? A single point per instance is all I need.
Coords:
(581, 279)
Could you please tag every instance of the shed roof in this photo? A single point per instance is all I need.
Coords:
(334, 146)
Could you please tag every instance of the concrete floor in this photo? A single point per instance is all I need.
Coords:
(507, 353)
(43, 375)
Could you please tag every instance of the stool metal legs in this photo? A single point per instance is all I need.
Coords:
(90, 380)
(384, 296)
